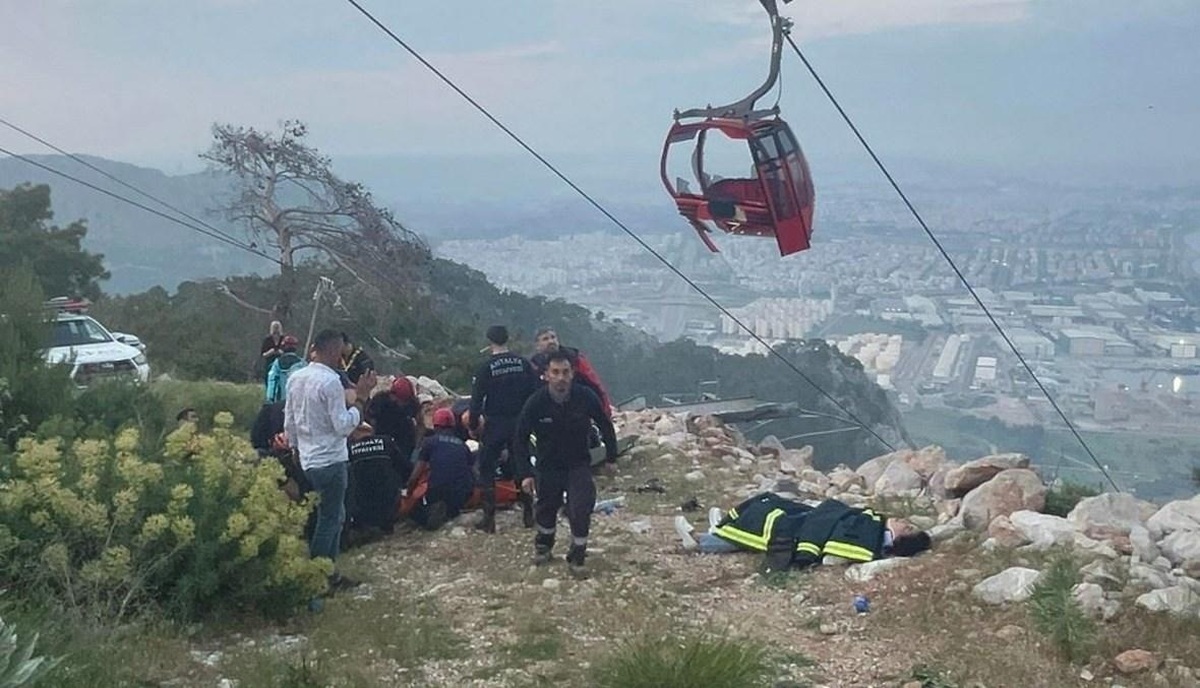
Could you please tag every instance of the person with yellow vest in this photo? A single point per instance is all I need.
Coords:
(792, 534)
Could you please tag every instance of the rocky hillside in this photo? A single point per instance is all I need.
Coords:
(460, 608)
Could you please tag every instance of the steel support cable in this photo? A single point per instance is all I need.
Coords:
(112, 194)
(853, 419)
(114, 178)
(937, 243)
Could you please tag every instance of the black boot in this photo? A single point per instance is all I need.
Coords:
(575, 561)
(543, 543)
(488, 522)
(526, 509)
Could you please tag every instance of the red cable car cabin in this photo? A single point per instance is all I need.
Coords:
(778, 202)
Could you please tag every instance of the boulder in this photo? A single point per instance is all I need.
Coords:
(945, 531)
(898, 479)
(947, 510)
(793, 461)
(1106, 574)
(874, 468)
(1151, 576)
(1093, 603)
(1120, 512)
(1011, 490)
(1178, 600)
(811, 475)
(1010, 585)
(843, 478)
(1183, 514)
(1181, 545)
(972, 474)
(771, 445)
(926, 461)
(1135, 661)
(1004, 533)
(937, 481)
(1043, 530)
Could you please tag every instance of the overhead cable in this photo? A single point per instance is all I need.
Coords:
(852, 418)
(124, 199)
(941, 249)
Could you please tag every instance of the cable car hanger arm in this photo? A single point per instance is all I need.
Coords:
(744, 108)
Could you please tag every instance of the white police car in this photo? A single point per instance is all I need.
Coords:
(93, 352)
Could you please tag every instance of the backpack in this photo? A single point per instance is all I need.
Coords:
(277, 378)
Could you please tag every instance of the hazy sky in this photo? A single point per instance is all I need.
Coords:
(1027, 84)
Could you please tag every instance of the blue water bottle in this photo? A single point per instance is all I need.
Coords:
(862, 605)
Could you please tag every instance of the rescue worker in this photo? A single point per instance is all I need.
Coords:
(355, 361)
(795, 535)
(394, 413)
(499, 390)
(378, 469)
(560, 416)
(446, 463)
(546, 342)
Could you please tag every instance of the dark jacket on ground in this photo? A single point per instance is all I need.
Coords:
(499, 390)
(377, 473)
(796, 535)
(356, 364)
(585, 374)
(562, 431)
(396, 419)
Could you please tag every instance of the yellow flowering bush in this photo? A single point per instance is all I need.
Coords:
(199, 530)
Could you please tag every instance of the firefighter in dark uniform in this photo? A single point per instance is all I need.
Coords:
(794, 535)
(560, 416)
(499, 390)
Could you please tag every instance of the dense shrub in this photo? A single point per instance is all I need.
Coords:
(209, 398)
(201, 530)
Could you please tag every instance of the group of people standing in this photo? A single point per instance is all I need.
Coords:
(535, 419)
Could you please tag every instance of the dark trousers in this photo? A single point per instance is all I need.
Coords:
(489, 458)
(453, 499)
(580, 492)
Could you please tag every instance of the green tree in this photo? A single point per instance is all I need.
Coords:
(54, 253)
(30, 391)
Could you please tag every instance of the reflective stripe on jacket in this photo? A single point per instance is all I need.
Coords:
(752, 523)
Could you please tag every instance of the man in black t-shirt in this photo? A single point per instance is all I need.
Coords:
(499, 390)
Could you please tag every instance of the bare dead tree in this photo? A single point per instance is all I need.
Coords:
(289, 199)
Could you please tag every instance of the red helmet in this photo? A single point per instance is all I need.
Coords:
(443, 418)
(290, 341)
(402, 388)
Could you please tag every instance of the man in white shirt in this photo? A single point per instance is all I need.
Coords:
(318, 417)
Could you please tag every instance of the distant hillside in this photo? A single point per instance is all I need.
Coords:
(141, 249)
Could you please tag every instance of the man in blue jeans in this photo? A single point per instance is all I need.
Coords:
(318, 417)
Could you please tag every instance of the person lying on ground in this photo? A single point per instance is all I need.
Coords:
(793, 534)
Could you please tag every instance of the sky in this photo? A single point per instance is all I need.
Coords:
(1056, 87)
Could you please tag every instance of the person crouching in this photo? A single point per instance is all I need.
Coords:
(448, 462)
